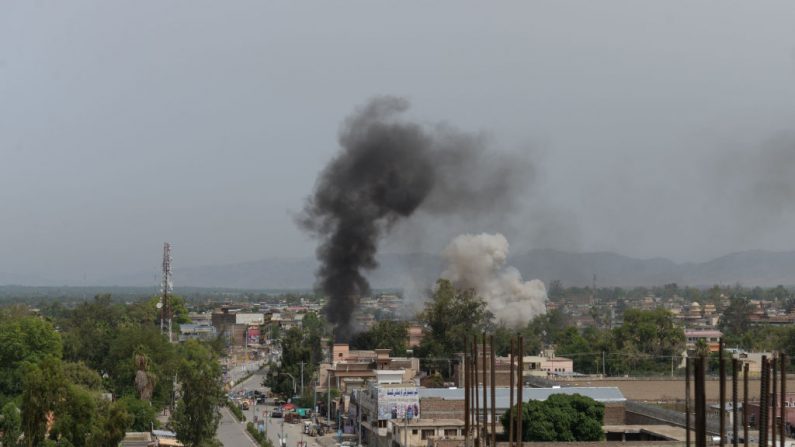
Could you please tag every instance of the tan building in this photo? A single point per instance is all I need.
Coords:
(753, 360)
(422, 432)
(351, 369)
(710, 337)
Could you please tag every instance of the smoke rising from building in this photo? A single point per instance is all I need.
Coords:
(479, 262)
(388, 169)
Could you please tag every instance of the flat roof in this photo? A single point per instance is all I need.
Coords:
(502, 394)
(431, 422)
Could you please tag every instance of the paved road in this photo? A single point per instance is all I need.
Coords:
(232, 433)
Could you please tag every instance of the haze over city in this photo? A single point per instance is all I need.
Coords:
(651, 130)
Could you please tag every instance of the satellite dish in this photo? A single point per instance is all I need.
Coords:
(159, 305)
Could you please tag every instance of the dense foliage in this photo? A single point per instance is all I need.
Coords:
(298, 346)
(105, 370)
(385, 334)
(451, 318)
(562, 417)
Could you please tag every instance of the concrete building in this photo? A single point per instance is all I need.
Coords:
(753, 360)
(193, 331)
(423, 432)
(710, 337)
(386, 398)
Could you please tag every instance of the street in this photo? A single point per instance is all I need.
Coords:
(233, 433)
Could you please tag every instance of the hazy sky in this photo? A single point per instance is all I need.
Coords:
(657, 128)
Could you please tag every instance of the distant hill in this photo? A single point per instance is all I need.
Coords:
(749, 268)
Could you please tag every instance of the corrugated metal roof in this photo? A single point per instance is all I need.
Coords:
(599, 394)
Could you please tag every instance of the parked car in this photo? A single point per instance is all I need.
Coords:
(277, 413)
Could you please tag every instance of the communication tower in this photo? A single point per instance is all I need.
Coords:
(166, 286)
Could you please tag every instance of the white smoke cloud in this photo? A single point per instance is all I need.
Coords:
(478, 261)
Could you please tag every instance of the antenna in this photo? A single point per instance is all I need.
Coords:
(166, 286)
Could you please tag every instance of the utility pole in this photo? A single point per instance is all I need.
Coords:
(406, 430)
(328, 401)
(302, 379)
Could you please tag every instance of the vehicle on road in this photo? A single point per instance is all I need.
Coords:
(292, 418)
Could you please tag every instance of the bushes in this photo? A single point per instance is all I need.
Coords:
(236, 411)
(560, 418)
(259, 437)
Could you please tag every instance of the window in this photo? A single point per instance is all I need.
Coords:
(382, 423)
(414, 432)
(427, 433)
(450, 432)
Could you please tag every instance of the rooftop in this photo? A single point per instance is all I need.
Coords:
(599, 394)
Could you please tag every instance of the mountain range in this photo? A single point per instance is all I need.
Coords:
(749, 268)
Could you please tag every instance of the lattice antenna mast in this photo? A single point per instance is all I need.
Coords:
(166, 286)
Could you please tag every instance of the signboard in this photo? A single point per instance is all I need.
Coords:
(398, 402)
(253, 334)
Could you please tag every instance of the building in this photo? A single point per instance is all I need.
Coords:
(422, 432)
(789, 415)
(710, 337)
(195, 331)
(544, 365)
(386, 398)
(353, 368)
(234, 324)
(138, 439)
(753, 360)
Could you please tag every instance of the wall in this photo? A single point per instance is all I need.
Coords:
(437, 408)
(614, 414)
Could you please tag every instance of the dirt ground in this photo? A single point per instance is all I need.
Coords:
(661, 389)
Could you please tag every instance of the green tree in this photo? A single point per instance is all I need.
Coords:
(90, 329)
(142, 413)
(735, 320)
(80, 374)
(452, 316)
(111, 425)
(119, 362)
(75, 416)
(298, 346)
(649, 339)
(10, 425)
(179, 309)
(385, 334)
(43, 389)
(583, 351)
(197, 412)
(560, 418)
(28, 339)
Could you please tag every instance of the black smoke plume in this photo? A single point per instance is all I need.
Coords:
(388, 169)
